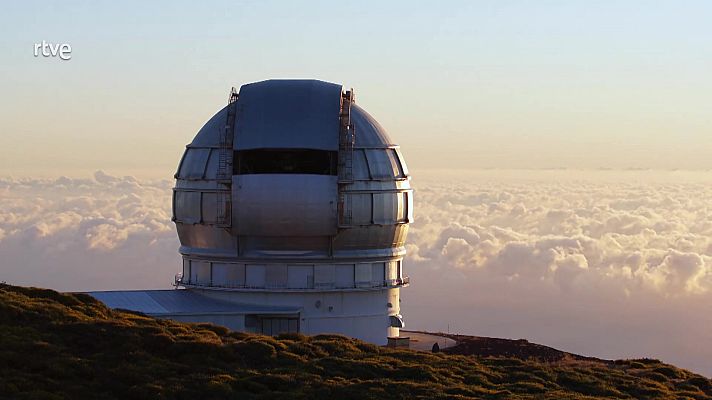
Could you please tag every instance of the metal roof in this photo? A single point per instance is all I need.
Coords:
(180, 302)
(284, 114)
(370, 133)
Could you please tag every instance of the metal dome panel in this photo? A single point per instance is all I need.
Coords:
(284, 205)
(369, 133)
(209, 134)
(282, 114)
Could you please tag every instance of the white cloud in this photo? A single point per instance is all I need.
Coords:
(602, 264)
(650, 236)
(87, 234)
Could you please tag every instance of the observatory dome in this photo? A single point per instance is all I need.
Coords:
(293, 188)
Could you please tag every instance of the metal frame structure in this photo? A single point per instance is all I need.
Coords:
(224, 172)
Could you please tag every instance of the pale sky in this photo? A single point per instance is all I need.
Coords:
(487, 84)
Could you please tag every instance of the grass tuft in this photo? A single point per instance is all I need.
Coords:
(70, 346)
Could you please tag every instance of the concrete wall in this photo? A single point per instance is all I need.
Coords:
(360, 314)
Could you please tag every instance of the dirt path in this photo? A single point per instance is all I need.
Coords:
(424, 341)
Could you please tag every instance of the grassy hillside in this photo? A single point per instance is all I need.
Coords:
(55, 346)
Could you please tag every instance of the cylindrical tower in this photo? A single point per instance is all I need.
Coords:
(293, 200)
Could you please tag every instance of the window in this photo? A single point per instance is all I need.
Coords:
(378, 273)
(301, 276)
(255, 275)
(285, 161)
(388, 208)
(193, 164)
(200, 272)
(360, 206)
(380, 165)
(276, 276)
(403, 167)
(275, 326)
(392, 270)
(209, 205)
(344, 275)
(231, 275)
(187, 206)
(324, 276)
(363, 275)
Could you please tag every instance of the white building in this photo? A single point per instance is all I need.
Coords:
(292, 208)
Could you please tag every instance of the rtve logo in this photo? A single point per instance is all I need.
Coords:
(63, 51)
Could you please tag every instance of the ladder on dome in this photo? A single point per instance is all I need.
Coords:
(225, 161)
(347, 140)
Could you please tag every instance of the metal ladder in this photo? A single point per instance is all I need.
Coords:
(347, 140)
(225, 161)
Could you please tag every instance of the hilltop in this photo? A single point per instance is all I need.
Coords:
(522, 349)
(68, 346)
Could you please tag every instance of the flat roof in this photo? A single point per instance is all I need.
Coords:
(180, 302)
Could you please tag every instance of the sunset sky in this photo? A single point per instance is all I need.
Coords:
(493, 84)
(560, 151)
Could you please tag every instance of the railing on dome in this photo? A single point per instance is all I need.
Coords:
(347, 140)
(224, 173)
(388, 283)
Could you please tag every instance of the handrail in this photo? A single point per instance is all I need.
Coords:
(388, 283)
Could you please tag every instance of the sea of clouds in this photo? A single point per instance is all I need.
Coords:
(605, 263)
(87, 234)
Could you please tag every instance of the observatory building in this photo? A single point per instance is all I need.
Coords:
(292, 207)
